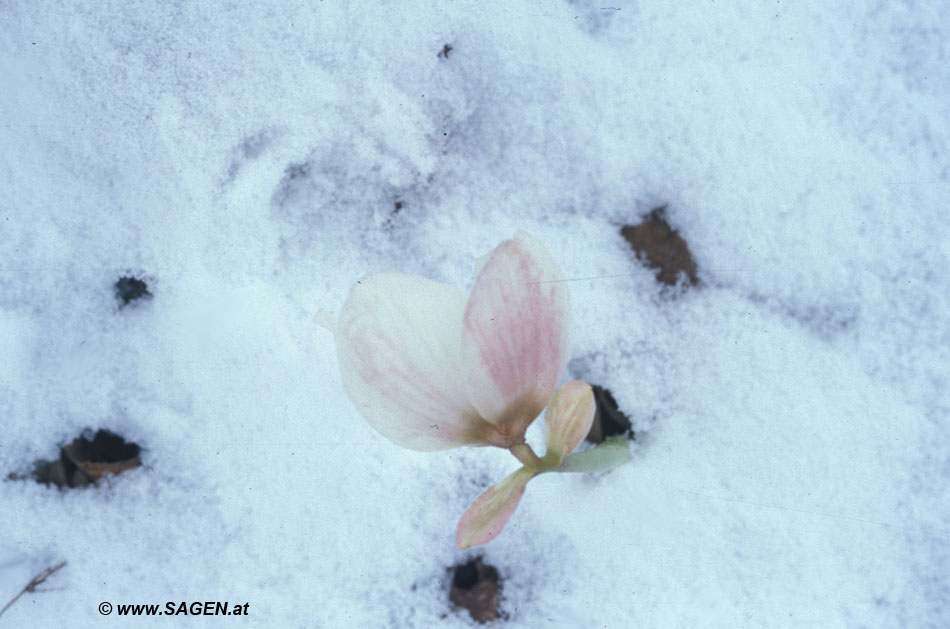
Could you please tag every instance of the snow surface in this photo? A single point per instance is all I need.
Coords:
(793, 458)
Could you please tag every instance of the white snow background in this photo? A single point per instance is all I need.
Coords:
(792, 462)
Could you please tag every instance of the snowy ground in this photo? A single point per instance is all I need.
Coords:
(793, 457)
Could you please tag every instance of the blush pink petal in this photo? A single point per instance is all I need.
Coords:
(487, 516)
(516, 335)
(397, 341)
(568, 418)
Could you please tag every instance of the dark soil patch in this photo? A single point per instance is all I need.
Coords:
(662, 248)
(87, 459)
(609, 420)
(476, 587)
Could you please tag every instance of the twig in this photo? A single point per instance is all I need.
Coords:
(32, 585)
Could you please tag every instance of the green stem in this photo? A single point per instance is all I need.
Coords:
(612, 453)
(524, 453)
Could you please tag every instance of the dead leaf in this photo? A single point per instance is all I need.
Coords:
(662, 247)
(87, 459)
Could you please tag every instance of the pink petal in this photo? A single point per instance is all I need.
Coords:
(517, 334)
(487, 516)
(398, 347)
(568, 418)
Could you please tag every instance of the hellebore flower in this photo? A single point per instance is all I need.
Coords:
(431, 368)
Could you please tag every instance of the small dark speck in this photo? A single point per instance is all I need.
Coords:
(446, 49)
(129, 289)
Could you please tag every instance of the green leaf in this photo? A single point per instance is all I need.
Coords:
(612, 453)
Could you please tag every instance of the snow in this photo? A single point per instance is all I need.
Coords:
(792, 462)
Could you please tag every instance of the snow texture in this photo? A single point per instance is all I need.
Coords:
(250, 161)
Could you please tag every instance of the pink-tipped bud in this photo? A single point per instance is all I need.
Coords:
(568, 418)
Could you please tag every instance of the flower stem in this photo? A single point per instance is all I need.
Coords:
(523, 452)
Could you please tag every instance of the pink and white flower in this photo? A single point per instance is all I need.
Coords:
(431, 368)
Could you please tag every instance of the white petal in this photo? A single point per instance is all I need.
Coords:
(517, 334)
(398, 347)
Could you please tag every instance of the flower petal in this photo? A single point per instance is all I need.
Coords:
(568, 418)
(487, 516)
(397, 343)
(517, 334)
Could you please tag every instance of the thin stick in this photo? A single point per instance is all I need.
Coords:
(34, 582)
